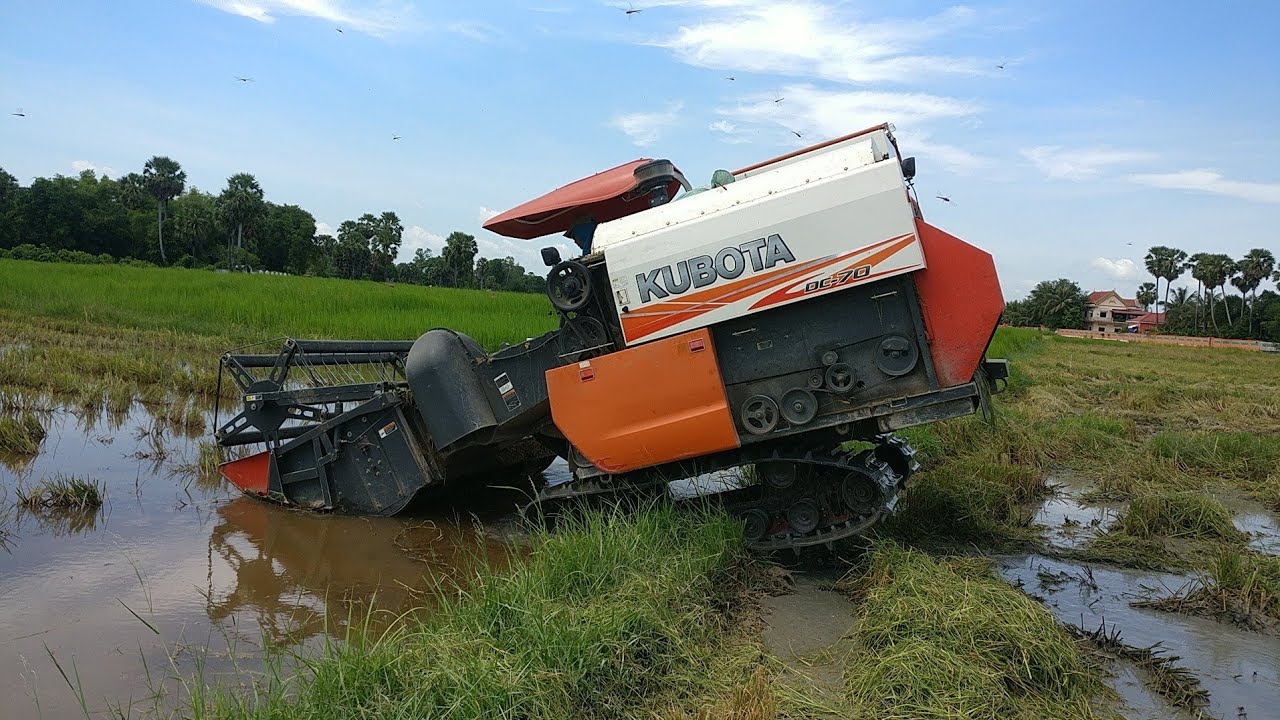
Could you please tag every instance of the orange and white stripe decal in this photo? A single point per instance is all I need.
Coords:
(640, 323)
(886, 249)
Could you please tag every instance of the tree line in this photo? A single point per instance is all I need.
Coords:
(1211, 309)
(153, 217)
(1197, 313)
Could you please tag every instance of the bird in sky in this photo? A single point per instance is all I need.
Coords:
(731, 78)
(777, 98)
(797, 133)
(396, 137)
(632, 9)
(1001, 65)
(942, 197)
(19, 113)
(244, 79)
(339, 30)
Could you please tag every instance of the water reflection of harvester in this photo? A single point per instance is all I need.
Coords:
(292, 569)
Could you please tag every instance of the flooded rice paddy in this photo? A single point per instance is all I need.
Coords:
(178, 576)
(1239, 669)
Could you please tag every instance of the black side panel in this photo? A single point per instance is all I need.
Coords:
(441, 373)
(466, 396)
(515, 381)
(368, 463)
(872, 331)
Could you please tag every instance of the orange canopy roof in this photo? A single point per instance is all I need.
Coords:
(603, 197)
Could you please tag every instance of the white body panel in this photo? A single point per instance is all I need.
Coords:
(828, 219)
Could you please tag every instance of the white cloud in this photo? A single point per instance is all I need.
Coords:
(809, 39)
(837, 112)
(101, 170)
(324, 228)
(728, 132)
(478, 31)
(486, 213)
(1061, 163)
(371, 18)
(647, 128)
(1212, 182)
(415, 237)
(821, 114)
(956, 159)
(1120, 268)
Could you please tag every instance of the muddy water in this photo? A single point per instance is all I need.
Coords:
(215, 574)
(1239, 668)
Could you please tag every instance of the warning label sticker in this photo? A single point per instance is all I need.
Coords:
(508, 392)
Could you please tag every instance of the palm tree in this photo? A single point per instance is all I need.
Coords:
(164, 179)
(1254, 268)
(1203, 272)
(1190, 265)
(240, 204)
(1155, 264)
(1175, 265)
(1165, 262)
(1181, 297)
(1229, 270)
(1215, 270)
(1147, 295)
(1057, 304)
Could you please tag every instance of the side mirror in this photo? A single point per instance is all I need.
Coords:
(550, 256)
(909, 168)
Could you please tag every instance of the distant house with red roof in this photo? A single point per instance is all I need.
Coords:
(1106, 311)
(1147, 323)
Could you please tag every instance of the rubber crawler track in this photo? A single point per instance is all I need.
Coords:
(888, 465)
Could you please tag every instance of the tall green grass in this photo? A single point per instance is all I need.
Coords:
(1177, 514)
(613, 614)
(21, 434)
(1242, 455)
(251, 307)
(63, 492)
(944, 638)
(1011, 342)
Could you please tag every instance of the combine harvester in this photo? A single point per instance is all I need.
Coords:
(766, 319)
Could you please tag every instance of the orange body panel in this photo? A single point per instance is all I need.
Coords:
(961, 302)
(251, 474)
(646, 405)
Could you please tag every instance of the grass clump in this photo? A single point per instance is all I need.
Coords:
(1240, 455)
(63, 492)
(1177, 515)
(944, 638)
(1118, 548)
(1239, 586)
(21, 434)
(972, 498)
(611, 614)
(1251, 579)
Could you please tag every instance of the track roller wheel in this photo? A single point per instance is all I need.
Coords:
(756, 524)
(858, 492)
(804, 516)
(779, 475)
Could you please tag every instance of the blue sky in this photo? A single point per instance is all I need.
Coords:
(1110, 123)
